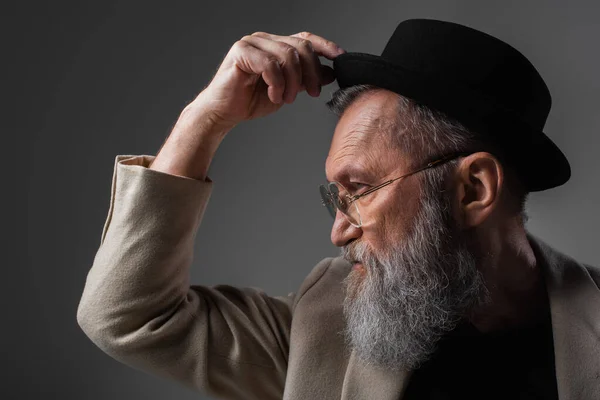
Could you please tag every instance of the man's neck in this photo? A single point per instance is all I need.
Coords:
(513, 277)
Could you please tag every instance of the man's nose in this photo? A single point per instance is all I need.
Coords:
(343, 231)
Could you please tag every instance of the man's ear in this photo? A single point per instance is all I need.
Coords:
(479, 178)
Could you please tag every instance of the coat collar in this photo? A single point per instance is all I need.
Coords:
(574, 300)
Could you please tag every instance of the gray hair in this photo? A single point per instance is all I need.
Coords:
(425, 133)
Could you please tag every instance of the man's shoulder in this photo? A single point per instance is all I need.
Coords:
(326, 277)
(327, 271)
(563, 267)
(594, 272)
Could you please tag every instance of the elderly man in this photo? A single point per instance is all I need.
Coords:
(439, 292)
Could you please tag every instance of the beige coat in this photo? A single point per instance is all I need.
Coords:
(239, 343)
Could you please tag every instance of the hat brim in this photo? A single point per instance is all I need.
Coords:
(539, 162)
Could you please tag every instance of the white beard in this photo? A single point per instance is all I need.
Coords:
(407, 299)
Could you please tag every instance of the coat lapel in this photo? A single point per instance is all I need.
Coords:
(574, 300)
(364, 381)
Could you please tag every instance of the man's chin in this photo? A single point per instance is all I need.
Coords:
(359, 267)
(354, 281)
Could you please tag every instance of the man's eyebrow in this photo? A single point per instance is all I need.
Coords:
(355, 171)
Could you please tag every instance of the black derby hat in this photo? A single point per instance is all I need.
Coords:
(480, 81)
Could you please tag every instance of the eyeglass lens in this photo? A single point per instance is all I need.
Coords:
(331, 197)
(327, 199)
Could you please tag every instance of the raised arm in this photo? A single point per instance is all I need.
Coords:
(138, 305)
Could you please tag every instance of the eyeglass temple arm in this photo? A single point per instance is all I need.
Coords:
(429, 165)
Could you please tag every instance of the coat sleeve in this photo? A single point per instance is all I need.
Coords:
(139, 307)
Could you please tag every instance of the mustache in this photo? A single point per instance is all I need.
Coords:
(349, 253)
(358, 252)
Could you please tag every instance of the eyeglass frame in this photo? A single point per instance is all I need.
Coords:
(353, 198)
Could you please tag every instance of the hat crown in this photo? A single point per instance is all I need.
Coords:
(449, 51)
(474, 78)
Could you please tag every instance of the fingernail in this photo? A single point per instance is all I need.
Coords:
(340, 50)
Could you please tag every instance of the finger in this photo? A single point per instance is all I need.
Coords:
(290, 63)
(327, 75)
(309, 60)
(255, 61)
(321, 46)
(273, 77)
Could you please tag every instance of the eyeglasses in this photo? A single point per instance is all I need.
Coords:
(335, 196)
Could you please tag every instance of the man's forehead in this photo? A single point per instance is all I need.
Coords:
(356, 159)
(359, 144)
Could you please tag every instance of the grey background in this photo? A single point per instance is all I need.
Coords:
(91, 80)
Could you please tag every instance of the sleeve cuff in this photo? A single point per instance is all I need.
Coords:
(138, 186)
